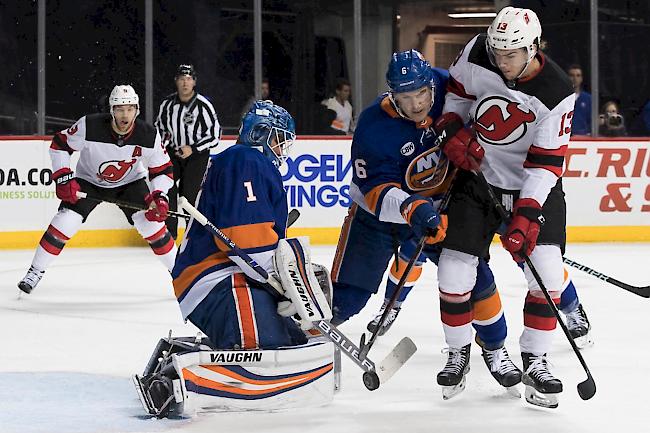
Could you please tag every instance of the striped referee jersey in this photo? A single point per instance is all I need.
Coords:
(193, 123)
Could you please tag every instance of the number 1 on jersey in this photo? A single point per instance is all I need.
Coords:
(249, 189)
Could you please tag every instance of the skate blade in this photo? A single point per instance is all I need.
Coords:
(449, 392)
(584, 341)
(147, 404)
(536, 398)
(397, 357)
(513, 391)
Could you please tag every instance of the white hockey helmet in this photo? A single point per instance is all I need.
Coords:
(124, 94)
(514, 28)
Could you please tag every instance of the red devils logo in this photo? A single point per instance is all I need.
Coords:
(500, 121)
(114, 171)
(73, 130)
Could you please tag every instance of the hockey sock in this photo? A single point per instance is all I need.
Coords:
(396, 273)
(159, 238)
(569, 300)
(63, 226)
(539, 323)
(456, 314)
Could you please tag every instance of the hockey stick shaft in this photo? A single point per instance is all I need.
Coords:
(329, 331)
(587, 388)
(127, 204)
(644, 292)
(365, 348)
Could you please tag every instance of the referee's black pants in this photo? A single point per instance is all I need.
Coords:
(188, 174)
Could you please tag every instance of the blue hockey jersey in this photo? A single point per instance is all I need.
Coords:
(243, 195)
(394, 157)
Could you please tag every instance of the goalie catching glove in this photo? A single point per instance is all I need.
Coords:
(293, 267)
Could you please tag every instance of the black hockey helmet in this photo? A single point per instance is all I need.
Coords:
(185, 69)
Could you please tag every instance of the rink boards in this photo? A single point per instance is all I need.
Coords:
(606, 183)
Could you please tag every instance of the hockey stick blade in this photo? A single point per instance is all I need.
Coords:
(587, 389)
(397, 357)
(292, 217)
(644, 292)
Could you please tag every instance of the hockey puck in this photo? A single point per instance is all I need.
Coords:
(371, 380)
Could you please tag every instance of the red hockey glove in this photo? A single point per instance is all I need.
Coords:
(521, 235)
(460, 146)
(464, 151)
(158, 205)
(418, 211)
(67, 186)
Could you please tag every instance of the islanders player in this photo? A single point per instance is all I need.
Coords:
(399, 172)
(243, 195)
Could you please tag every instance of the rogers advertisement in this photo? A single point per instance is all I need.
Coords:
(606, 184)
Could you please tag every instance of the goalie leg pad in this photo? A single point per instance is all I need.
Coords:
(227, 380)
(292, 263)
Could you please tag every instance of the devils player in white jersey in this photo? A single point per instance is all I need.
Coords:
(117, 152)
(520, 105)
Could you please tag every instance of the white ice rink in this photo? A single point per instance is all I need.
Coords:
(69, 348)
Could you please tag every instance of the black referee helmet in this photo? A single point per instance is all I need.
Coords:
(185, 69)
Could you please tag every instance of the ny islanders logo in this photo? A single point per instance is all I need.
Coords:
(500, 121)
(114, 171)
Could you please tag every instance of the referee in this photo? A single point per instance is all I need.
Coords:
(189, 127)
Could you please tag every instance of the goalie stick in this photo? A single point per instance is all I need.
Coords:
(644, 292)
(374, 374)
(586, 388)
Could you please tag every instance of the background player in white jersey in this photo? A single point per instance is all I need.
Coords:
(117, 152)
(243, 195)
(520, 104)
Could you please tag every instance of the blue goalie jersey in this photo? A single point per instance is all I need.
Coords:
(242, 195)
(394, 157)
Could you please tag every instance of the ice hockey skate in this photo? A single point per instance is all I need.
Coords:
(542, 387)
(30, 280)
(579, 327)
(503, 369)
(390, 318)
(452, 376)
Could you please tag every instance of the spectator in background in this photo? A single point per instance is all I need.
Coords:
(265, 93)
(581, 123)
(611, 122)
(340, 103)
(189, 127)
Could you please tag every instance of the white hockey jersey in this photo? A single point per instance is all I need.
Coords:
(524, 126)
(109, 160)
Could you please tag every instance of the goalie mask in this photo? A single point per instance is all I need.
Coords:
(270, 128)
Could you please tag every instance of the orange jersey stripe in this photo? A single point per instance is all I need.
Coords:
(244, 301)
(343, 241)
(189, 274)
(249, 236)
(372, 196)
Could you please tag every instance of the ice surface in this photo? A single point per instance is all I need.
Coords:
(69, 348)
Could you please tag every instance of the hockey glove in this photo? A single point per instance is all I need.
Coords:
(158, 205)
(419, 213)
(460, 146)
(520, 237)
(67, 186)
